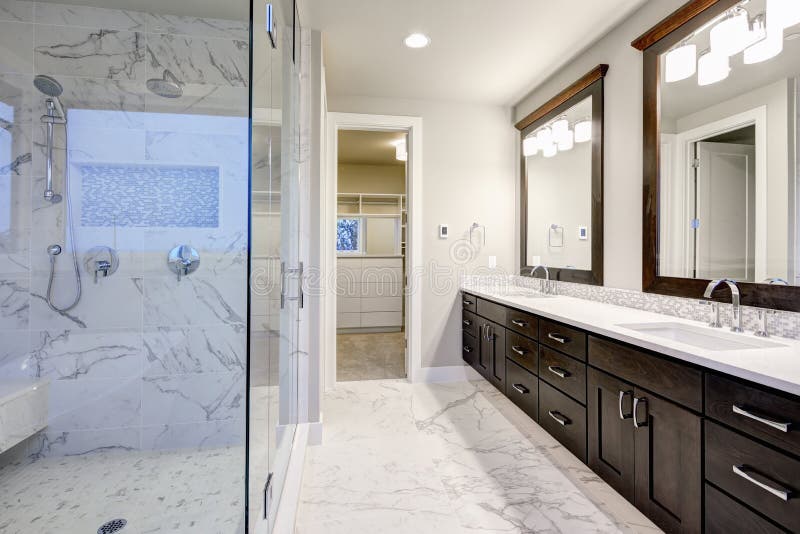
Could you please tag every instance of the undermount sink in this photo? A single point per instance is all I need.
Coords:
(700, 337)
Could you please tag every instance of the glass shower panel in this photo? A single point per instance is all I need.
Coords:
(129, 405)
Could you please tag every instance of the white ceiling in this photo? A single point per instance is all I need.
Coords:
(481, 51)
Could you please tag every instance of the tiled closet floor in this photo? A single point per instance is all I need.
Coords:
(370, 356)
(447, 458)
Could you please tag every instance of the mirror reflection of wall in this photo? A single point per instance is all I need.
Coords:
(728, 154)
(559, 208)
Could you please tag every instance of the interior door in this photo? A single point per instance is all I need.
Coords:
(724, 221)
(668, 445)
(610, 431)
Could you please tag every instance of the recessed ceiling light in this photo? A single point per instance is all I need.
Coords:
(417, 40)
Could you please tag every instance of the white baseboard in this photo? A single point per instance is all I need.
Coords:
(453, 373)
(293, 483)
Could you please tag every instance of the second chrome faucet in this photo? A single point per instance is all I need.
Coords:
(736, 311)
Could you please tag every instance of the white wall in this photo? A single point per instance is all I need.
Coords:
(469, 175)
(623, 136)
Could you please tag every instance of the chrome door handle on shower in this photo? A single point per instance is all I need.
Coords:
(299, 272)
(183, 260)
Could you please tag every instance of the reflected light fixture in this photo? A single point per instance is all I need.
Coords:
(417, 40)
(544, 136)
(549, 150)
(583, 130)
(681, 63)
(400, 151)
(731, 35)
(530, 146)
(783, 13)
(567, 141)
(712, 68)
(560, 128)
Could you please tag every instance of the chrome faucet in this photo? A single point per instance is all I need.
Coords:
(736, 311)
(545, 284)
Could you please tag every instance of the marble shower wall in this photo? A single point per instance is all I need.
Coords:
(143, 361)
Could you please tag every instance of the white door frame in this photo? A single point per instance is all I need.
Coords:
(413, 315)
(684, 140)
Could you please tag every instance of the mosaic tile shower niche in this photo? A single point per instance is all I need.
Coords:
(174, 196)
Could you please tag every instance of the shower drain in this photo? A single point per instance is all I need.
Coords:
(115, 525)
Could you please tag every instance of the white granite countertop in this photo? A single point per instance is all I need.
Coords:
(777, 367)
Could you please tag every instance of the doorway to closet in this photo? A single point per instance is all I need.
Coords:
(371, 223)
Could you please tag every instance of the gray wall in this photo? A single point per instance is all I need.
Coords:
(623, 136)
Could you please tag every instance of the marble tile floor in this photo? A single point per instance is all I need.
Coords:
(448, 458)
(370, 356)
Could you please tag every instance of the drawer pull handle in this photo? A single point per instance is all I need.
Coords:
(750, 474)
(558, 418)
(467, 302)
(467, 322)
(636, 402)
(558, 338)
(519, 350)
(522, 389)
(622, 414)
(558, 371)
(761, 418)
(467, 349)
(520, 323)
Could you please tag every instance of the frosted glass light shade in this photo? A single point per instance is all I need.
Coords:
(783, 13)
(583, 131)
(549, 150)
(544, 136)
(767, 48)
(400, 151)
(730, 36)
(567, 141)
(560, 127)
(530, 146)
(681, 63)
(712, 68)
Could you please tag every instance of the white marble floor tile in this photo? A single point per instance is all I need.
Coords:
(448, 458)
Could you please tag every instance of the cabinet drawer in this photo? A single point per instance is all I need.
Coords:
(523, 351)
(469, 349)
(469, 323)
(563, 372)
(522, 388)
(755, 474)
(522, 323)
(725, 515)
(676, 382)
(769, 416)
(563, 418)
(469, 302)
(567, 340)
(492, 311)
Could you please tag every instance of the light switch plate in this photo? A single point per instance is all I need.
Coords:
(444, 231)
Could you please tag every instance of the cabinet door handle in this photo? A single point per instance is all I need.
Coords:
(520, 323)
(489, 332)
(467, 349)
(466, 302)
(522, 389)
(622, 395)
(636, 402)
(467, 322)
(762, 418)
(558, 338)
(752, 476)
(519, 350)
(558, 418)
(558, 371)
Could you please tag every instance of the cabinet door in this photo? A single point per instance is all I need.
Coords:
(469, 349)
(493, 354)
(610, 431)
(668, 446)
(483, 357)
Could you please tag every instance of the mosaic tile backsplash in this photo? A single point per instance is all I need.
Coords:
(149, 195)
(781, 324)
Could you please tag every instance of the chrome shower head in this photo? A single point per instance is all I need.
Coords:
(48, 85)
(168, 86)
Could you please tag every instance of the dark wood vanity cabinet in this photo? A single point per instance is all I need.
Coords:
(694, 450)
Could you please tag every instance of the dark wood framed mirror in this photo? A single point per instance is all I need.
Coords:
(561, 183)
(721, 139)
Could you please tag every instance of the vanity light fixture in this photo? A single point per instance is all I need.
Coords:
(786, 13)
(530, 146)
(400, 150)
(544, 137)
(566, 142)
(417, 40)
(681, 63)
(560, 128)
(767, 48)
(712, 68)
(549, 150)
(583, 130)
(731, 35)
